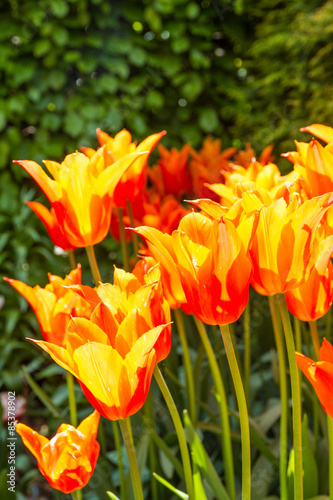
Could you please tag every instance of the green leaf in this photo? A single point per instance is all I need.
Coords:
(3, 120)
(192, 10)
(59, 8)
(310, 470)
(108, 83)
(202, 460)
(174, 490)
(208, 120)
(41, 47)
(153, 19)
(112, 495)
(180, 45)
(73, 124)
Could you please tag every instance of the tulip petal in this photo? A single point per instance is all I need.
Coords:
(99, 368)
(324, 132)
(32, 440)
(50, 187)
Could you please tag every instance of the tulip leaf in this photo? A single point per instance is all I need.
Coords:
(166, 483)
(112, 495)
(310, 470)
(202, 460)
(199, 490)
(41, 394)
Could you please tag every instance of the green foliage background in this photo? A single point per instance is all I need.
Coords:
(244, 71)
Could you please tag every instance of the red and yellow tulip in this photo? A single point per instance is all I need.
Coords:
(55, 304)
(68, 460)
(81, 192)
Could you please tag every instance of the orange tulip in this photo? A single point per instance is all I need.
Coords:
(320, 374)
(207, 164)
(55, 304)
(171, 175)
(208, 262)
(324, 132)
(114, 353)
(68, 460)
(214, 268)
(81, 192)
(50, 221)
(314, 297)
(160, 248)
(116, 148)
(282, 248)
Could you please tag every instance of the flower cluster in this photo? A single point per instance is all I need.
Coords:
(244, 224)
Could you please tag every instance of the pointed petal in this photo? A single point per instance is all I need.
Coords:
(324, 132)
(109, 178)
(31, 439)
(50, 187)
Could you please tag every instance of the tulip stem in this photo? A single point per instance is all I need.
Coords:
(179, 430)
(315, 338)
(93, 265)
(117, 442)
(296, 399)
(243, 413)
(223, 407)
(247, 353)
(187, 364)
(278, 334)
(149, 420)
(134, 235)
(77, 494)
(136, 481)
(72, 260)
(329, 324)
(123, 243)
(71, 398)
(330, 449)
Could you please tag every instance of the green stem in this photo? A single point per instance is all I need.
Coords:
(187, 364)
(223, 407)
(247, 353)
(329, 324)
(283, 397)
(123, 243)
(179, 430)
(149, 422)
(315, 338)
(71, 398)
(77, 494)
(134, 235)
(330, 449)
(72, 260)
(136, 481)
(243, 413)
(93, 265)
(296, 399)
(117, 442)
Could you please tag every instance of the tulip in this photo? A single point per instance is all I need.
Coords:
(206, 165)
(113, 354)
(50, 221)
(116, 148)
(160, 248)
(312, 300)
(171, 175)
(55, 304)
(282, 248)
(81, 193)
(68, 460)
(214, 268)
(320, 374)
